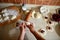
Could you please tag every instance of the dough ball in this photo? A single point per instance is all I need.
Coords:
(42, 32)
(48, 28)
(36, 15)
(27, 23)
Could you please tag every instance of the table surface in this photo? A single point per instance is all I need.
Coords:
(40, 23)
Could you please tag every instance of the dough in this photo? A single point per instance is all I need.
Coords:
(42, 32)
(8, 12)
(44, 10)
(48, 28)
(27, 23)
(36, 15)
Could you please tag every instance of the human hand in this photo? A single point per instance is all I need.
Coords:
(22, 27)
(31, 27)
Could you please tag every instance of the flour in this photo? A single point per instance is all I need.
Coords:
(8, 14)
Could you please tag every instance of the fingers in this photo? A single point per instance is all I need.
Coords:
(31, 24)
(25, 24)
(22, 25)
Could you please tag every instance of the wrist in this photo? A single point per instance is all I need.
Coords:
(32, 30)
(22, 32)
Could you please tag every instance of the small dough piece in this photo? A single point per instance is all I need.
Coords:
(42, 32)
(6, 18)
(5, 14)
(51, 23)
(27, 23)
(46, 18)
(13, 17)
(48, 28)
(1, 20)
(4, 11)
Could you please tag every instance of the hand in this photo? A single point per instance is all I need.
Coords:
(31, 27)
(34, 32)
(22, 27)
(22, 31)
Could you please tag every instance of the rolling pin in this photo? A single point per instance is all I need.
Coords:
(29, 14)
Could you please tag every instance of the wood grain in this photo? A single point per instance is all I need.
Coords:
(40, 2)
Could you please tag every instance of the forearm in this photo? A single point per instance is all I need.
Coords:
(21, 36)
(38, 36)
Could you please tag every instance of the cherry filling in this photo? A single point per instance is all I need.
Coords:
(42, 31)
(48, 27)
(46, 17)
(56, 17)
(50, 22)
